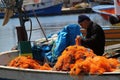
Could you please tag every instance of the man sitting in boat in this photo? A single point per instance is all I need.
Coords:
(95, 37)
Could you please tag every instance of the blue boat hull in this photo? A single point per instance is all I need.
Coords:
(56, 9)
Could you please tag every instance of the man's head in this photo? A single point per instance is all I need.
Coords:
(83, 20)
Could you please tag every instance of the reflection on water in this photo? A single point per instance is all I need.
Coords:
(51, 24)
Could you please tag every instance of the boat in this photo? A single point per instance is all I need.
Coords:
(40, 7)
(14, 73)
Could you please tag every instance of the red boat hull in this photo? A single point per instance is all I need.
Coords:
(105, 10)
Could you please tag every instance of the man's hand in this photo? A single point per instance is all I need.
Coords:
(78, 40)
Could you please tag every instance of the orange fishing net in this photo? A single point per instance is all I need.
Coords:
(95, 65)
(78, 59)
(28, 62)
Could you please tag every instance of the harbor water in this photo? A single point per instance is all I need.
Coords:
(50, 24)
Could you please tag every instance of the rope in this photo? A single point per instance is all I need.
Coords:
(40, 25)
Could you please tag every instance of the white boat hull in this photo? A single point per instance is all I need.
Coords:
(11, 73)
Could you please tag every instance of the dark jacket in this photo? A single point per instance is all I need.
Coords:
(95, 39)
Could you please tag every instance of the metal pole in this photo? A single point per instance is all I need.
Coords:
(40, 26)
(22, 36)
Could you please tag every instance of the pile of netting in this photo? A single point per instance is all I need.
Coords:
(27, 62)
(87, 63)
(78, 59)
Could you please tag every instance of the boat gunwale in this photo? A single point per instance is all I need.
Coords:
(50, 71)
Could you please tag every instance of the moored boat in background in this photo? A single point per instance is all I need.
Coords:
(40, 7)
(104, 10)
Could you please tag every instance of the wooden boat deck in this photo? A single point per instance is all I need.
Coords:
(112, 34)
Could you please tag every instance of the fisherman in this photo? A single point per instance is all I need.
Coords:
(95, 38)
